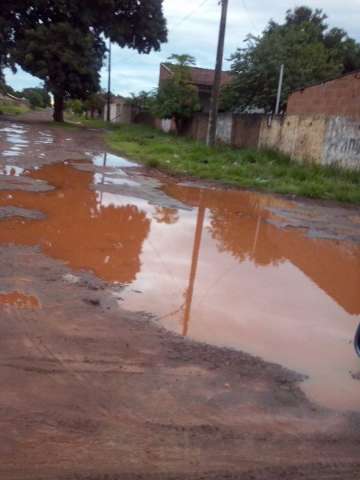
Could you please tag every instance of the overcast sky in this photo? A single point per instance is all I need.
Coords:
(193, 29)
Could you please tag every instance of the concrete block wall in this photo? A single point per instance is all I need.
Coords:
(326, 140)
(300, 137)
(113, 112)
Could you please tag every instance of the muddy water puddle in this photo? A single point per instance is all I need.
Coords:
(208, 263)
(19, 301)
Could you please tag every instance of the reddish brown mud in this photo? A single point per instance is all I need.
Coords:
(93, 250)
(18, 300)
(89, 390)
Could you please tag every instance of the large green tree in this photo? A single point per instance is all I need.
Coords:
(37, 96)
(177, 97)
(62, 42)
(95, 104)
(310, 51)
(5, 39)
(143, 101)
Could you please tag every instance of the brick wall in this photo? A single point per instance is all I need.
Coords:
(339, 97)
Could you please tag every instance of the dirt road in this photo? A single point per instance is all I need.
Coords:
(119, 290)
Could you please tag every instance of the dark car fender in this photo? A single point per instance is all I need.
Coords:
(357, 341)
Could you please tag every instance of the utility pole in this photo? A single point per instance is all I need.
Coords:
(217, 79)
(109, 85)
(278, 98)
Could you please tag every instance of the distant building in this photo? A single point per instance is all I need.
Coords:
(202, 78)
(339, 97)
(120, 110)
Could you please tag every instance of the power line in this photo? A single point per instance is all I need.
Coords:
(190, 14)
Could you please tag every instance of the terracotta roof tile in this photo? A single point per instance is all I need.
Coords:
(205, 76)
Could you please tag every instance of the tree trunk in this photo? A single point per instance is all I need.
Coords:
(58, 108)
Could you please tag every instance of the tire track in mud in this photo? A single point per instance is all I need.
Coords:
(41, 347)
(86, 379)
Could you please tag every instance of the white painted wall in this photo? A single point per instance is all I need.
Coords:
(224, 127)
(342, 142)
(166, 125)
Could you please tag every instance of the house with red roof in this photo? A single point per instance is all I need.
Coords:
(202, 78)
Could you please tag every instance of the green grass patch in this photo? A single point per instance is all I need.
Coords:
(265, 170)
(261, 169)
(80, 120)
(12, 109)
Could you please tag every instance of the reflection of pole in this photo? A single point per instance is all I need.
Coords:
(194, 265)
(256, 238)
(103, 178)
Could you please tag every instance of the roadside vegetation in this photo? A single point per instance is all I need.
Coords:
(311, 51)
(65, 47)
(264, 169)
(12, 109)
(72, 119)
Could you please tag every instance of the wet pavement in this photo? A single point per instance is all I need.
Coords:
(275, 278)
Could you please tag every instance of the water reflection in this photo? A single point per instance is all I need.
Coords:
(44, 138)
(166, 215)
(15, 136)
(11, 170)
(111, 160)
(80, 228)
(194, 267)
(113, 179)
(228, 277)
(238, 224)
(217, 272)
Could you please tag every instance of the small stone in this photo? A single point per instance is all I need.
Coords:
(71, 279)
